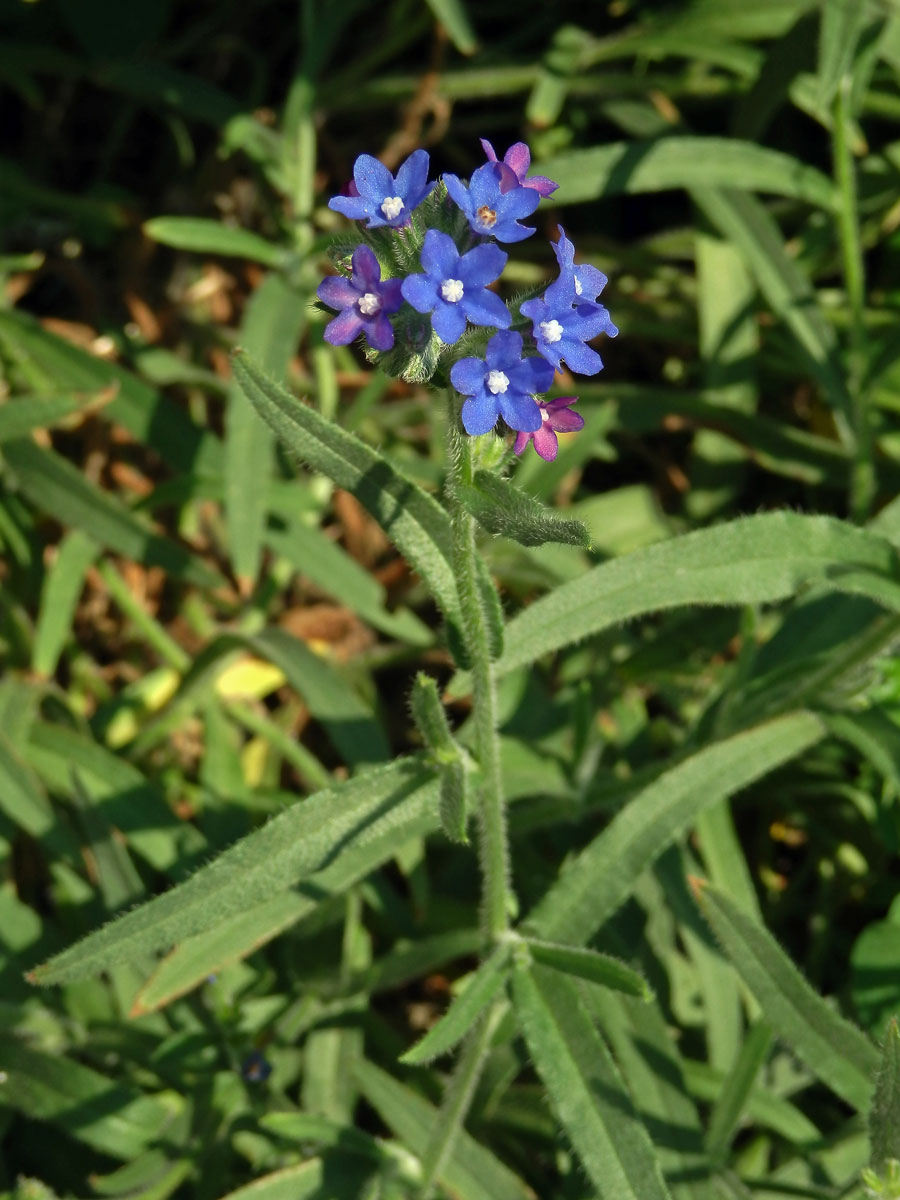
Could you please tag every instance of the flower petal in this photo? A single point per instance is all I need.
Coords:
(546, 442)
(467, 375)
(413, 176)
(565, 421)
(448, 322)
(580, 358)
(458, 193)
(391, 295)
(508, 179)
(541, 184)
(520, 202)
(518, 158)
(531, 375)
(420, 291)
(337, 292)
(484, 308)
(380, 333)
(357, 208)
(504, 349)
(366, 269)
(440, 257)
(509, 231)
(484, 186)
(522, 440)
(344, 328)
(490, 152)
(482, 265)
(373, 179)
(519, 411)
(479, 414)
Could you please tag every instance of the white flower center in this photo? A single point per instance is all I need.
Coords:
(578, 288)
(551, 331)
(545, 416)
(369, 304)
(452, 290)
(497, 382)
(392, 206)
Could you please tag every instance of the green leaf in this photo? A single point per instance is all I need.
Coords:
(198, 957)
(753, 560)
(272, 323)
(311, 552)
(594, 885)
(884, 1119)
(750, 228)
(63, 583)
(471, 1170)
(678, 161)
(834, 1050)
(206, 236)
(732, 1100)
(312, 1180)
(585, 1088)
(842, 23)
(290, 848)
(455, 20)
(84, 1104)
(19, 417)
(22, 798)
(348, 719)
(59, 489)
(590, 965)
(51, 363)
(411, 518)
(503, 509)
(467, 1007)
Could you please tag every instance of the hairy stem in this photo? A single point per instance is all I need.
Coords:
(493, 842)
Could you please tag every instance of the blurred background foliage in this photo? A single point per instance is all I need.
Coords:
(195, 630)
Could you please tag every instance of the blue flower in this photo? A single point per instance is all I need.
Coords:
(582, 283)
(494, 201)
(256, 1068)
(518, 159)
(365, 302)
(382, 197)
(564, 320)
(453, 287)
(501, 384)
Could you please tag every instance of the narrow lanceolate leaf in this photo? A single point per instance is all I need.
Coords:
(590, 965)
(503, 509)
(684, 162)
(585, 1088)
(205, 236)
(19, 417)
(412, 519)
(55, 487)
(834, 1050)
(884, 1120)
(198, 957)
(272, 322)
(842, 24)
(465, 1010)
(309, 1180)
(470, 1171)
(290, 848)
(753, 560)
(601, 878)
(734, 1096)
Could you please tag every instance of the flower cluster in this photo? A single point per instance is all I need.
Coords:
(451, 230)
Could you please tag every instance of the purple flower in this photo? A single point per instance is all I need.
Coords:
(453, 287)
(501, 384)
(494, 201)
(518, 159)
(555, 418)
(365, 302)
(382, 197)
(568, 316)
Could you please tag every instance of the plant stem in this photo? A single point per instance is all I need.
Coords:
(493, 843)
(862, 480)
(458, 1097)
